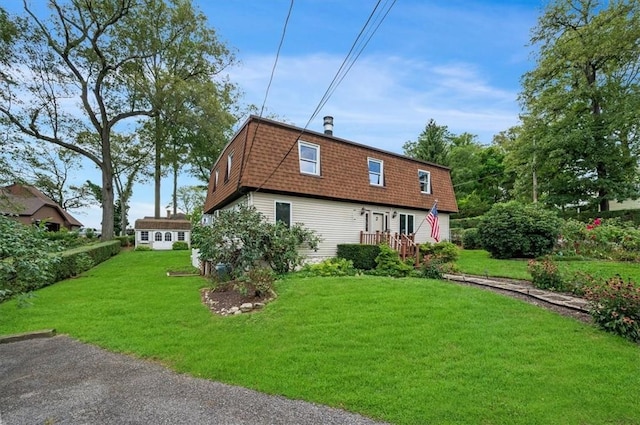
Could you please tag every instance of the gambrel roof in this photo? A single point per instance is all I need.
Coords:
(264, 156)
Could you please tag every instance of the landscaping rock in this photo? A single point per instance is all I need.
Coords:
(246, 307)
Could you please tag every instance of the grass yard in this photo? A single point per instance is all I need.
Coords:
(479, 263)
(407, 351)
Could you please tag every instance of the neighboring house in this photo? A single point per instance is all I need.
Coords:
(28, 205)
(161, 233)
(341, 189)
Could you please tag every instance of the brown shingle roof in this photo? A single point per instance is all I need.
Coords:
(262, 146)
(25, 200)
(151, 223)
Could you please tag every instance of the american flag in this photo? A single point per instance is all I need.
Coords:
(432, 219)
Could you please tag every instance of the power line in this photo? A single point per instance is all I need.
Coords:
(340, 74)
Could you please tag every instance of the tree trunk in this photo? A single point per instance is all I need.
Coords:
(175, 188)
(158, 169)
(108, 206)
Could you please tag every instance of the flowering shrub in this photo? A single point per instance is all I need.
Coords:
(615, 307)
(330, 267)
(545, 275)
(609, 239)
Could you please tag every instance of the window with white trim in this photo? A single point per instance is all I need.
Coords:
(376, 167)
(167, 236)
(181, 236)
(424, 177)
(309, 155)
(406, 223)
(283, 212)
(229, 163)
(157, 237)
(144, 235)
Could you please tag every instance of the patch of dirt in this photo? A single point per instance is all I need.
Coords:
(564, 311)
(224, 297)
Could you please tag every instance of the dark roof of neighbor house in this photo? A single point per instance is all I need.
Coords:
(173, 222)
(265, 158)
(24, 200)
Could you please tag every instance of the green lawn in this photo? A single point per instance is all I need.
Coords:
(478, 262)
(408, 351)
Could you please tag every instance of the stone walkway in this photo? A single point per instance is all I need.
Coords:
(525, 288)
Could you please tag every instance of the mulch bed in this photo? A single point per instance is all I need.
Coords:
(224, 297)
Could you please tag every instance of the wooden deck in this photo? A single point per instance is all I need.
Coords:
(404, 244)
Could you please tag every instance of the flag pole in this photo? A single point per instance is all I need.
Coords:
(422, 221)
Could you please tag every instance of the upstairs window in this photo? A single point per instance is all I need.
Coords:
(376, 177)
(283, 212)
(424, 177)
(309, 155)
(215, 180)
(406, 224)
(229, 163)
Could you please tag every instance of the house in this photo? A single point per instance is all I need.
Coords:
(345, 191)
(28, 205)
(161, 233)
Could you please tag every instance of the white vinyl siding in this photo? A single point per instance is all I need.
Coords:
(338, 222)
(309, 156)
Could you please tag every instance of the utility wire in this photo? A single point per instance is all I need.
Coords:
(266, 94)
(337, 79)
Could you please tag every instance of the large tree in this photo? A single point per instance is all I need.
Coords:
(432, 145)
(582, 100)
(180, 81)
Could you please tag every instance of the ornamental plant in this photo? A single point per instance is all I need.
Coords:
(516, 230)
(389, 263)
(546, 275)
(615, 307)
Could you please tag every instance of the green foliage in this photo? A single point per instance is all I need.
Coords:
(330, 267)
(143, 248)
(75, 261)
(471, 239)
(125, 241)
(615, 307)
(545, 275)
(466, 223)
(443, 251)
(389, 263)
(432, 145)
(65, 238)
(515, 230)
(611, 239)
(25, 257)
(258, 280)
(242, 239)
(180, 246)
(362, 256)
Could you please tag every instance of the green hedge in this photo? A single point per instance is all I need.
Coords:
(465, 223)
(363, 256)
(75, 261)
(126, 240)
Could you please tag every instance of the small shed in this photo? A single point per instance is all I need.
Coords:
(161, 233)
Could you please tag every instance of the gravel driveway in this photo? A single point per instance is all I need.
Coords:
(62, 381)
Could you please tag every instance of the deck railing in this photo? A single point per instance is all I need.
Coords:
(404, 244)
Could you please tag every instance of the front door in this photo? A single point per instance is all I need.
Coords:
(377, 224)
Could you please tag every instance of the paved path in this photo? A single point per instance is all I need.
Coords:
(62, 381)
(525, 288)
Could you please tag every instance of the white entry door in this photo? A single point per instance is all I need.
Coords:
(377, 222)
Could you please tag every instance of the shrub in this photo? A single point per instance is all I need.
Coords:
(125, 241)
(615, 307)
(362, 256)
(331, 267)
(242, 238)
(25, 258)
(180, 246)
(75, 261)
(143, 248)
(389, 263)
(444, 251)
(610, 239)
(514, 230)
(258, 280)
(546, 275)
(471, 239)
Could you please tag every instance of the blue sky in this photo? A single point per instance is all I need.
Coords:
(458, 61)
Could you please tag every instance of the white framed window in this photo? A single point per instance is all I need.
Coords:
(406, 223)
(167, 236)
(157, 237)
(376, 172)
(424, 178)
(283, 212)
(229, 164)
(309, 155)
(181, 236)
(144, 235)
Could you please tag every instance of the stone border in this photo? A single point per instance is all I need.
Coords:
(46, 333)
